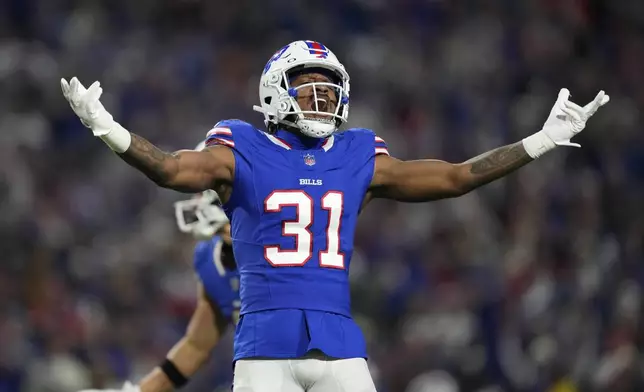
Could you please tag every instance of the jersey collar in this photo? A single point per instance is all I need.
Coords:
(291, 141)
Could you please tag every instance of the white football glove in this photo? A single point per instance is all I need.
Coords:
(88, 107)
(566, 119)
(127, 387)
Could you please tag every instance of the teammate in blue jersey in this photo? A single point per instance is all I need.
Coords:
(218, 296)
(293, 192)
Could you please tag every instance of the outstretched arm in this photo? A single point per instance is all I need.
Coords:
(428, 179)
(425, 180)
(185, 170)
(193, 350)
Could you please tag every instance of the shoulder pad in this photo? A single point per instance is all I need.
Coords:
(380, 146)
(227, 132)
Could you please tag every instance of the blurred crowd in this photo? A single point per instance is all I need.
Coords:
(532, 283)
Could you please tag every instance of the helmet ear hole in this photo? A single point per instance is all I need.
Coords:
(268, 100)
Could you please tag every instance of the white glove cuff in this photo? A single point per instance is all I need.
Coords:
(129, 387)
(118, 138)
(538, 144)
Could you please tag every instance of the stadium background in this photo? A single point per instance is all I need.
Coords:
(532, 283)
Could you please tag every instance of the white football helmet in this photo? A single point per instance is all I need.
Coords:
(278, 98)
(202, 216)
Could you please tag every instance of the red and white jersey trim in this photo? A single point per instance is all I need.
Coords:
(220, 131)
(277, 141)
(220, 135)
(380, 146)
(328, 143)
(219, 140)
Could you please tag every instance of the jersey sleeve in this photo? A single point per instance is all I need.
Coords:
(380, 146)
(229, 133)
(243, 139)
(366, 141)
(211, 273)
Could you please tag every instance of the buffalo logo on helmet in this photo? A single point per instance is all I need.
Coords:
(317, 49)
(275, 57)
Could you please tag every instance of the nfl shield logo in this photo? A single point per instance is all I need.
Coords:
(309, 160)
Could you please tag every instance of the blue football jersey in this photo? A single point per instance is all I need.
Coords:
(220, 283)
(293, 212)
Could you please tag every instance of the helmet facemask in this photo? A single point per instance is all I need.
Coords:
(329, 102)
(279, 97)
(201, 216)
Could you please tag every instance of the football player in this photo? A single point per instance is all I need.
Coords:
(218, 301)
(293, 192)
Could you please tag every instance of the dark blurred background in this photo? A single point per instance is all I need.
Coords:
(532, 283)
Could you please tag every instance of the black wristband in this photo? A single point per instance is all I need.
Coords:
(176, 378)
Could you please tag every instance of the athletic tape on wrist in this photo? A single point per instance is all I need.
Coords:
(538, 144)
(118, 138)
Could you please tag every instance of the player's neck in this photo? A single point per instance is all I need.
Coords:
(297, 140)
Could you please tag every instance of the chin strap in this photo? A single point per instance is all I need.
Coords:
(268, 121)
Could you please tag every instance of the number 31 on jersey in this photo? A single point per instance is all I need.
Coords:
(299, 228)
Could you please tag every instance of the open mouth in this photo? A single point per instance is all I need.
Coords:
(324, 118)
(321, 104)
(322, 108)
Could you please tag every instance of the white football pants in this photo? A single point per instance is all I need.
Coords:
(308, 374)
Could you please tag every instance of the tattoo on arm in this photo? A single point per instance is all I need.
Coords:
(497, 163)
(156, 164)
